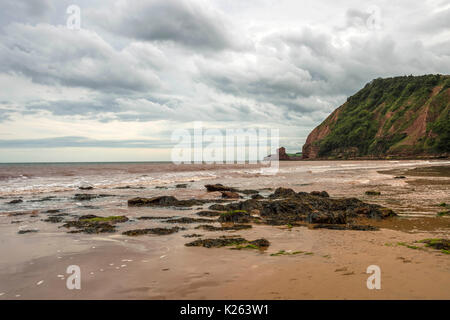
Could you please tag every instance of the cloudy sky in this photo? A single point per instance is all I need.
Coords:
(115, 89)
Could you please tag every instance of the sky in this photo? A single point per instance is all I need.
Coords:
(116, 87)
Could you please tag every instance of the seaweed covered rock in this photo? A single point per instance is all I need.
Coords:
(356, 227)
(304, 207)
(230, 195)
(157, 231)
(438, 244)
(206, 213)
(323, 194)
(163, 201)
(260, 243)
(218, 187)
(257, 196)
(15, 201)
(282, 193)
(229, 241)
(216, 243)
(248, 191)
(326, 217)
(190, 220)
(236, 216)
(233, 227)
(95, 224)
(246, 205)
(372, 193)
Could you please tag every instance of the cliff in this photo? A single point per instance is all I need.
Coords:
(400, 117)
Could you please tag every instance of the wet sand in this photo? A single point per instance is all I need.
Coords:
(332, 264)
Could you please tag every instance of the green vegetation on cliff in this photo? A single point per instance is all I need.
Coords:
(407, 115)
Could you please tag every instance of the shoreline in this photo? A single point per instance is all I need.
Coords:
(330, 264)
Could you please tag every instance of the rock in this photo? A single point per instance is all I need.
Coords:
(129, 187)
(261, 243)
(218, 187)
(247, 205)
(216, 243)
(372, 193)
(439, 244)
(15, 201)
(326, 217)
(52, 211)
(208, 227)
(95, 224)
(27, 231)
(86, 187)
(84, 197)
(193, 235)
(248, 191)
(282, 193)
(230, 195)
(235, 216)
(208, 213)
(257, 196)
(399, 177)
(298, 207)
(217, 207)
(43, 199)
(54, 219)
(345, 227)
(157, 231)
(164, 201)
(229, 241)
(189, 220)
(155, 218)
(323, 194)
(181, 186)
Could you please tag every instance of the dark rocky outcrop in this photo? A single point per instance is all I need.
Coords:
(216, 243)
(320, 194)
(89, 196)
(399, 117)
(189, 220)
(232, 227)
(236, 216)
(230, 195)
(218, 187)
(94, 224)
(208, 213)
(27, 231)
(155, 218)
(229, 241)
(156, 231)
(345, 227)
(168, 201)
(164, 201)
(294, 207)
(15, 201)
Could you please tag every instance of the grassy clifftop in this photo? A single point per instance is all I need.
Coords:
(401, 116)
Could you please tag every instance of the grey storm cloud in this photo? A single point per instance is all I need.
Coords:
(79, 58)
(191, 23)
(213, 61)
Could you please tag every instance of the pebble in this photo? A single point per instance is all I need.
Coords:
(40, 282)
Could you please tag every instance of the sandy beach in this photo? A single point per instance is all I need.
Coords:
(313, 264)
